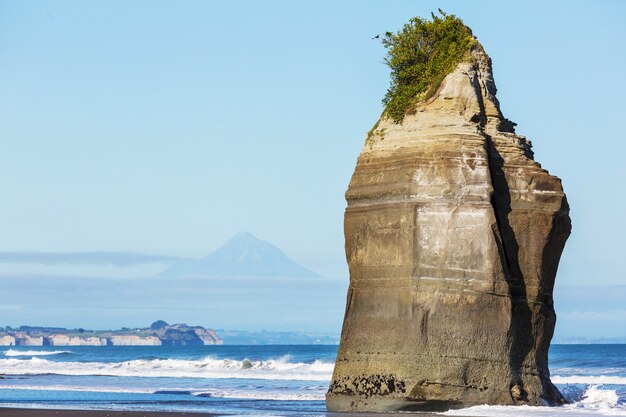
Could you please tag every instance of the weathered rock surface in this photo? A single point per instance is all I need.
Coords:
(453, 238)
(183, 335)
(22, 339)
(132, 340)
(65, 340)
(7, 340)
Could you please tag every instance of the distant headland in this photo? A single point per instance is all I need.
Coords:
(159, 333)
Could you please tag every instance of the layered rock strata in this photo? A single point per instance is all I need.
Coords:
(453, 238)
(130, 340)
(65, 340)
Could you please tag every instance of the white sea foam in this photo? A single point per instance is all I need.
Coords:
(263, 395)
(589, 379)
(595, 397)
(594, 402)
(279, 369)
(15, 352)
(215, 393)
(584, 371)
(77, 389)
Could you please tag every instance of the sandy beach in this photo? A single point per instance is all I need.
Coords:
(34, 412)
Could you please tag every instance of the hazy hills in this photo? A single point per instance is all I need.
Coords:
(242, 255)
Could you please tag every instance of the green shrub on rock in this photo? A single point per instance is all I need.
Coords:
(420, 56)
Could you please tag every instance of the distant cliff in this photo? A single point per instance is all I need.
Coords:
(159, 334)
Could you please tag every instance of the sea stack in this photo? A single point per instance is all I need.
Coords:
(453, 235)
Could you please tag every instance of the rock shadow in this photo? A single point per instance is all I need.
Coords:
(521, 330)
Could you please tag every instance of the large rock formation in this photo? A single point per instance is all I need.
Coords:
(453, 238)
(183, 335)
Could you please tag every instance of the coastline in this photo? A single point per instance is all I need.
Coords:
(41, 412)
(283, 380)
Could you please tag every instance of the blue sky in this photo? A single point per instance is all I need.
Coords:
(167, 127)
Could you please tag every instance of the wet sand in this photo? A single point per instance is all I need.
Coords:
(34, 412)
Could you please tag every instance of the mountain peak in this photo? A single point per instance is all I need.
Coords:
(242, 255)
(244, 236)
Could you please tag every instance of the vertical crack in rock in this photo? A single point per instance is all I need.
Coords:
(453, 238)
(521, 327)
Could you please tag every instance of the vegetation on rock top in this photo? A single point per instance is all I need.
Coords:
(420, 56)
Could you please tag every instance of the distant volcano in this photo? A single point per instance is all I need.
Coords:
(242, 255)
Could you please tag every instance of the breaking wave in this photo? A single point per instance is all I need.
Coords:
(214, 393)
(76, 389)
(592, 401)
(279, 369)
(261, 395)
(589, 379)
(595, 397)
(14, 352)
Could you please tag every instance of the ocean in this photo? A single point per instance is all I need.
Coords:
(258, 380)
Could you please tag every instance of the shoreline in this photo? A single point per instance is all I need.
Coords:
(43, 412)
(53, 412)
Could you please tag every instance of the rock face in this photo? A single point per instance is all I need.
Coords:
(453, 238)
(65, 340)
(183, 335)
(7, 340)
(207, 336)
(26, 340)
(132, 340)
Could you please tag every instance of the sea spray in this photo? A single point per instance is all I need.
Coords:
(12, 352)
(594, 400)
(589, 379)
